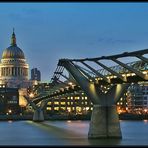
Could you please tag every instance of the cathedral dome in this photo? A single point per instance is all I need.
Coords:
(13, 51)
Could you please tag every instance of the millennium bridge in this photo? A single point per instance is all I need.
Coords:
(93, 76)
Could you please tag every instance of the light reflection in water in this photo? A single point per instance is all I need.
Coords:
(9, 121)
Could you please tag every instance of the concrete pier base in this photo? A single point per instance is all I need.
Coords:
(104, 122)
(38, 116)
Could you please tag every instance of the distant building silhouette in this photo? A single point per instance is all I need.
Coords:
(35, 74)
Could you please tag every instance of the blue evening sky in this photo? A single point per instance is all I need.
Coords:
(47, 32)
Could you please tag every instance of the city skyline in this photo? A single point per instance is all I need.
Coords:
(47, 32)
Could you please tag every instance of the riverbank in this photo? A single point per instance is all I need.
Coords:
(70, 117)
(126, 116)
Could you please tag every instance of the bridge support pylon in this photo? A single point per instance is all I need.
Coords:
(104, 122)
(38, 115)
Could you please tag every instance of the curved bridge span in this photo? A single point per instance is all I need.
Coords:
(91, 75)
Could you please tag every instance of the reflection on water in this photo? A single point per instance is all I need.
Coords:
(68, 133)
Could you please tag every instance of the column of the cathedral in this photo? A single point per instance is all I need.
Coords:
(19, 70)
(11, 71)
(4, 71)
(8, 74)
(14, 71)
(8, 71)
(25, 72)
(0, 72)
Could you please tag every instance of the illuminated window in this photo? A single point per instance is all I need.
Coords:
(56, 108)
(71, 102)
(56, 103)
(77, 98)
(63, 108)
(68, 98)
(49, 103)
(68, 103)
(82, 98)
(62, 103)
(71, 98)
(48, 108)
(87, 108)
(91, 108)
(85, 98)
(78, 109)
(85, 103)
(69, 109)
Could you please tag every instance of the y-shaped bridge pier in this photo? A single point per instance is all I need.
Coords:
(104, 120)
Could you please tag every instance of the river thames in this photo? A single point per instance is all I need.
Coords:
(59, 133)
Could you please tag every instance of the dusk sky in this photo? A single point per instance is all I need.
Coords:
(47, 32)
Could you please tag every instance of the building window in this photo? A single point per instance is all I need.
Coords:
(77, 98)
(48, 108)
(63, 103)
(56, 108)
(56, 103)
(62, 108)
(49, 103)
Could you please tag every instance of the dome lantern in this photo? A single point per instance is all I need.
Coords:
(13, 51)
(13, 39)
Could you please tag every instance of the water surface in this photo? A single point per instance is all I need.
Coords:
(68, 133)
